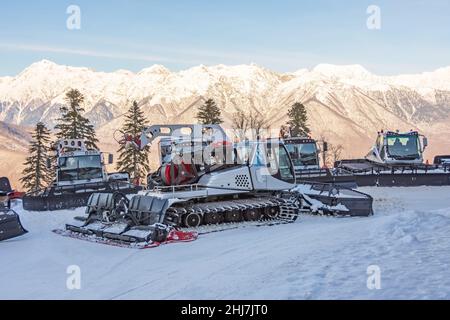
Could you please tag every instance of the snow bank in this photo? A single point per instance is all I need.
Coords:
(315, 258)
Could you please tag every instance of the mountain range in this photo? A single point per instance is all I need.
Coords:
(346, 105)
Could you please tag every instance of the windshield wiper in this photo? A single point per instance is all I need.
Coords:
(407, 156)
(308, 158)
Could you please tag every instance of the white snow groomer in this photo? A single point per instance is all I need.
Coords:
(206, 183)
(10, 225)
(305, 155)
(79, 173)
(396, 159)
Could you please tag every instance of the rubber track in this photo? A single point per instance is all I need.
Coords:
(289, 212)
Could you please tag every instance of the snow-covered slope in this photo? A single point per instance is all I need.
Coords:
(13, 151)
(346, 104)
(314, 258)
(13, 137)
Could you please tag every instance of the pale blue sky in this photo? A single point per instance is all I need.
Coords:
(283, 35)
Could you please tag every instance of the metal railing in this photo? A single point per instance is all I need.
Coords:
(177, 188)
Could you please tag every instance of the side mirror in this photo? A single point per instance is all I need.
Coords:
(325, 146)
(425, 142)
(48, 163)
(110, 159)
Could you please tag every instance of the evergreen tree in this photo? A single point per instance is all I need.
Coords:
(131, 160)
(72, 124)
(209, 113)
(36, 174)
(298, 119)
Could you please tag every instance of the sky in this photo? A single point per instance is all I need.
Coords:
(282, 35)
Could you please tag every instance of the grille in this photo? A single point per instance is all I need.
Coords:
(242, 181)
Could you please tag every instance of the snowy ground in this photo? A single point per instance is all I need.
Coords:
(316, 258)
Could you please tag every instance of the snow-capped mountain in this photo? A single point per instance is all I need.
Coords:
(346, 104)
(14, 138)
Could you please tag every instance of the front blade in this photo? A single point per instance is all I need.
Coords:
(10, 225)
(337, 200)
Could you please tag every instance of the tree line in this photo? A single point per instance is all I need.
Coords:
(254, 121)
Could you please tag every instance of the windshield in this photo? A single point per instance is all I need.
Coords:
(403, 146)
(80, 168)
(303, 154)
(284, 164)
(277, 161)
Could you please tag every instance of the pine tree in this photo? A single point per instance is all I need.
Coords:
(72, 124)
(131, 160)
(36, 174)
(298, 119)
(209, 113)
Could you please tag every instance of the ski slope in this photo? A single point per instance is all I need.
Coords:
(314, 258)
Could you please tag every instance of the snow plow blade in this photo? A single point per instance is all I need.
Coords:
(10, 225)
(68, 197)
(337, 200)
(368, 174)
(140, 226)
(403, 180)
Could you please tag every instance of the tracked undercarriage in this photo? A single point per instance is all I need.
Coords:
(147, 219)
(150, 218)
(232, 211)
